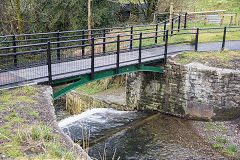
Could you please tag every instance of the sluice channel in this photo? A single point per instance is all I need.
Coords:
(136, 136)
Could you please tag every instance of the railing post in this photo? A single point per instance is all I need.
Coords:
(140, 52)
(118, 52)
(179, 22)
(83, 48)
(104, 40)
(165, 27)
(166, 47)
(58, 46)
(131, 37)
(185, 21)
(156, 34)
(196, 40)
(92, 60)
(172, 26)
(224, 38)
(14, 51)
(49, 63)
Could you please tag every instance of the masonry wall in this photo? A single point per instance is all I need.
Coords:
(194, 90)
(77, 103)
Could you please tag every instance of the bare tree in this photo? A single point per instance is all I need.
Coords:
(89, 19)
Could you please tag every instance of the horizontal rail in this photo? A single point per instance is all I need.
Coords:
(80, 48)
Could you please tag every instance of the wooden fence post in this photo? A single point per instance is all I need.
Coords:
(222, 19)
(171, 14)
(231, 20)
(237, 24)
(205, 19)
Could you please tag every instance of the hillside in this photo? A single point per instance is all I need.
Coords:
(232, 6)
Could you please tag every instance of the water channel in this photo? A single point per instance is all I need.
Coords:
(137, 135)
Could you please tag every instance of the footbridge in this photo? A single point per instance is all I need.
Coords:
(79, 57)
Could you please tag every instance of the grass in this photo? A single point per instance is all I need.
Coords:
(225, 59)
(34, 139)
(22, 133)
(34, 114)
(231, 151)
(102, 86)
(188, 36)
(218, 145)
(14, 98)
(232, 6)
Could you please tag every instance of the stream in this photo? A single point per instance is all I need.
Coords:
(131, 135)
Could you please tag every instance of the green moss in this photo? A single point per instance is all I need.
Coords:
(25, 99)
(13, 152)
(28, 91)
(34, 114)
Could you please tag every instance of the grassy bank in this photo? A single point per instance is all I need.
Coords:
(225, 59)
(231, 6)
(26, 128)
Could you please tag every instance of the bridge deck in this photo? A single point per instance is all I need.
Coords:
(39, 74)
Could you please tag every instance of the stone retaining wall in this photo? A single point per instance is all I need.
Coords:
(193, 90)
(77, 103)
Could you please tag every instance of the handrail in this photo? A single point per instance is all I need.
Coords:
(202, 12)
(34, 55)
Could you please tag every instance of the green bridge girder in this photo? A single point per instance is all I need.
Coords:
(85, 79)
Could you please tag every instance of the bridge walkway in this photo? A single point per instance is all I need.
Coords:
(39, 74)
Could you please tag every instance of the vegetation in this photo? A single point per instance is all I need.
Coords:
(231, 151)
(102, 85)
(225, 59)
(46, 16)
(23, 134)
(231, 6)
(220, 143)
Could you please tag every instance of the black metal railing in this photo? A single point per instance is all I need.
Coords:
(66, 56)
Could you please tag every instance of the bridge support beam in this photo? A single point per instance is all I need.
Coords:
(85, 79)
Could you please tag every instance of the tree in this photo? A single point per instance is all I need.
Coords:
(89, 19)
(11, 19)
(30, 16)
(145, 8)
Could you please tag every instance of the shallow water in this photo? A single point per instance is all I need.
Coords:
(137, 135)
